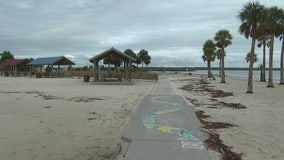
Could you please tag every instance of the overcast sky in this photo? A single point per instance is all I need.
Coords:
(173, 32)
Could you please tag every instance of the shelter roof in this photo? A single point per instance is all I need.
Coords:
(14, 62)
(109, 52)
(52, 61)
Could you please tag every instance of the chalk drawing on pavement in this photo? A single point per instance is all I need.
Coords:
(187, 139)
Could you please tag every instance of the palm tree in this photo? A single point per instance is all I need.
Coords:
(219, 54)
(209, 55)
(252, 17)
(132, 54)
(248, 58)
(263, 42)
(282, 50)
(223, 39)
(273, 28)
(147, 60)
(143, 55)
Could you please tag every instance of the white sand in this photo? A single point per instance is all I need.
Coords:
(60, 128)
(260, 131)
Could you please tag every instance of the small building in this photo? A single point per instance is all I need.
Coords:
(50, 62)
(113, 52)
(14, 67)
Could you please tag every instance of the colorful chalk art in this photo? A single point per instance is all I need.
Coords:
(188, 141)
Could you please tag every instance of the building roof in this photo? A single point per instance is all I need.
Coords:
(109, 52)
(52, 61)
(14, 62)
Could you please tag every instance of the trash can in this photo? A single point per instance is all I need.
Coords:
(38, 75)
(86, 78)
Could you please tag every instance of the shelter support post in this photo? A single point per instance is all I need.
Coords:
(129, 70)
(96, 70)
(58, 71)
(124, 70)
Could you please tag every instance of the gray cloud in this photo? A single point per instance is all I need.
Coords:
(172, 32)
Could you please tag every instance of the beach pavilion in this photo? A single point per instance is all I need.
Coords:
(14, 67)
(50, 62)
(113, 52)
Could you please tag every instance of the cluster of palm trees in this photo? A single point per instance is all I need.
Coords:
(142, 57)
(262, 24)
(222, 38)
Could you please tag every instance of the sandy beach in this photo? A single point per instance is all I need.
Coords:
(65, 119)
(68, 119)
(259, 130)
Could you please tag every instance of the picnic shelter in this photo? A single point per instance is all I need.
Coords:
(50, 62)
(14, 67)
(110, 53)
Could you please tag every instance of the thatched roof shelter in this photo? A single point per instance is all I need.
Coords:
(110, 52)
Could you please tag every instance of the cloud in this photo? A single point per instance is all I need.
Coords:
(172, 32)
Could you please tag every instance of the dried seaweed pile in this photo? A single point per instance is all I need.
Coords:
(214, 142)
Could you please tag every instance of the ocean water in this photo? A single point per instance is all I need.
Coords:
(241, 74)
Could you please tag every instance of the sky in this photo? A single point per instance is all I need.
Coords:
(173, 32)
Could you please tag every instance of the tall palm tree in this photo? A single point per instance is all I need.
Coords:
(273, 28)
(209, 55)
(263, 42)
(252, 17)
(282, 49)
(223, 39)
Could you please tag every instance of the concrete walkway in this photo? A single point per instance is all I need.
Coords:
(164, 127)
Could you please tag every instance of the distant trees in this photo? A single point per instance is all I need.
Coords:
(263, 42)
(144, 57)
(6, 55)
(209, 55)
(141, 58)
(131, 53)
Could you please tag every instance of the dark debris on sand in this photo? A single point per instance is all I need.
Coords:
(214, 142)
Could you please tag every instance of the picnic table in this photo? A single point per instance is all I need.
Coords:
(112, 76)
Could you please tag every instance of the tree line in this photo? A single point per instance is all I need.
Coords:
(262, 25)
(5, 56)
(142, 57)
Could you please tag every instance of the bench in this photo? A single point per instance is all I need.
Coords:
(112, 75)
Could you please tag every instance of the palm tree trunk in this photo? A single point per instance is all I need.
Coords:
(263, 78)
(209, 69)
(220, 67)
(270, 76)
(223, 68)
(250, 84)
(281, 62)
